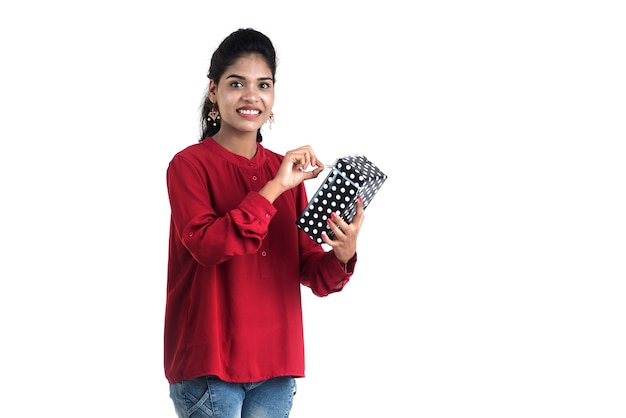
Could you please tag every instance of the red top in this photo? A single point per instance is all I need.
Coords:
(236, 263)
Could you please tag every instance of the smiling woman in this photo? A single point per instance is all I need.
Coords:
(237, 260)
(245, 96)
(254, 52)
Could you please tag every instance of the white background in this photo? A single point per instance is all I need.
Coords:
(491, 280)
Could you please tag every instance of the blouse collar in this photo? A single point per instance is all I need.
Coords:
(256, 161)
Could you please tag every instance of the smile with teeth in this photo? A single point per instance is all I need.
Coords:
(248, 111)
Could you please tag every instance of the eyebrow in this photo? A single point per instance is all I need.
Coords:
(243, 78)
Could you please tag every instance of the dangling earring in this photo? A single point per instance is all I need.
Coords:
(214, 116)
(271, 119)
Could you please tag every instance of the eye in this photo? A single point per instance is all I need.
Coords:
(265, 85)
(236, 84)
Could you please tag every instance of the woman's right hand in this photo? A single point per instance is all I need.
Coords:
(293, 171)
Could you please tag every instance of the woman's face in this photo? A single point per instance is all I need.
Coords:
(244, 94)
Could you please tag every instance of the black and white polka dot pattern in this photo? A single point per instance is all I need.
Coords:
(351, 177)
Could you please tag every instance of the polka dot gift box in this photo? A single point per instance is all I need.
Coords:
(351, 177)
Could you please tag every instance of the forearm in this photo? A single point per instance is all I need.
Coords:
(272, 190)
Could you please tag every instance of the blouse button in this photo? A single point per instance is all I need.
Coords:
(267, 215)
(190, 234)
(263, 253)
(254, 178)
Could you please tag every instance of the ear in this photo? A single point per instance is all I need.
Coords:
(212, 90)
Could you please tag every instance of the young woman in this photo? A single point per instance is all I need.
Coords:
(237, 260)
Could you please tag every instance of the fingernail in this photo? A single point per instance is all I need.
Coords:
(333, 215)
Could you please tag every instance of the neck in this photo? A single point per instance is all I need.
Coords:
(243, 144)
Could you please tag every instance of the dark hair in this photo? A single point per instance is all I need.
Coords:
(239, 43)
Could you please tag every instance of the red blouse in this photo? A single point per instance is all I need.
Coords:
(236, 263)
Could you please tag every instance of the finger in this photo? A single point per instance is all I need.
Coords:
(303, 162)
(332, 223)
(358, 211)
(315, 172)
(306, 158)
(311, 157)
(314, 161)
(337, 225)
(296, 160)
(327, 240)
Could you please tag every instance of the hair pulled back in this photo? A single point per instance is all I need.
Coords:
(239, 43)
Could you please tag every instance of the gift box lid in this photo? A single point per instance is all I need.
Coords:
(351, 176)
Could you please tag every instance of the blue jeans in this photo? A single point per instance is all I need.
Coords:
(211, 397)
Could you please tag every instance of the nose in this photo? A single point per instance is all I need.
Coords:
(250, 94)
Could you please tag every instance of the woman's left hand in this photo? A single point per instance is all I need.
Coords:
(344, 242)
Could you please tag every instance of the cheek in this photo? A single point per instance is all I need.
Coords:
(225, 98)
(268, 98)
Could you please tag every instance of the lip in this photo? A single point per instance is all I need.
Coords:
(249, 112)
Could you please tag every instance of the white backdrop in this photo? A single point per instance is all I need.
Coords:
(492, 262)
